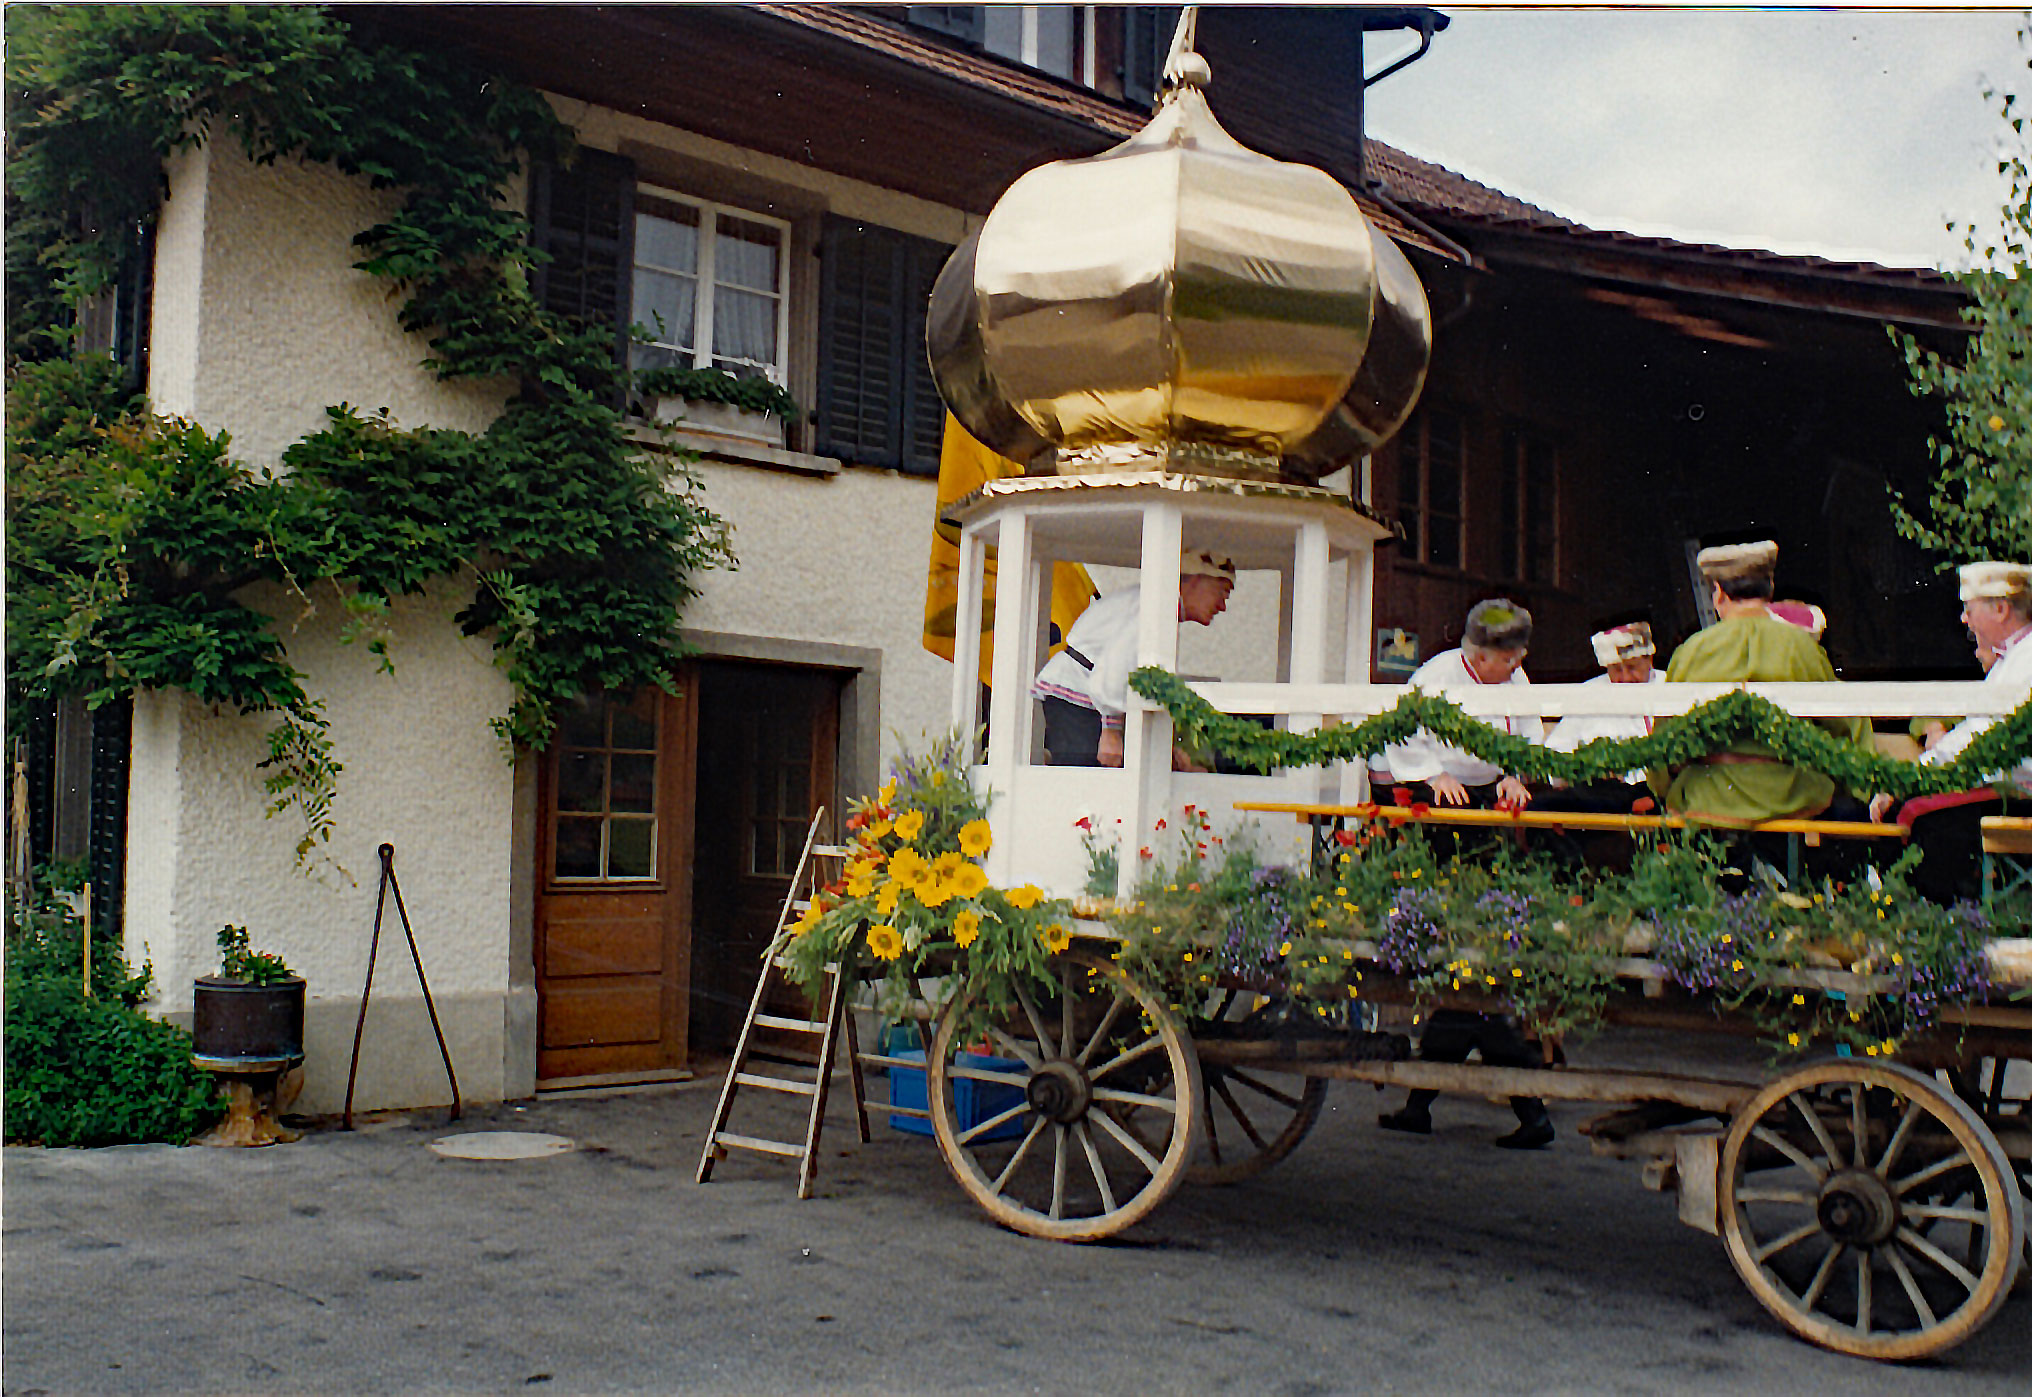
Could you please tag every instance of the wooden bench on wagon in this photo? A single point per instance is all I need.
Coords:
(1328, 820)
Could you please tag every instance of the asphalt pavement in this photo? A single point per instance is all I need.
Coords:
(363, 1262)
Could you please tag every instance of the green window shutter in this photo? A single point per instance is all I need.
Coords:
(112, 744)
(923, 418)
(877, 404)
(583, 217)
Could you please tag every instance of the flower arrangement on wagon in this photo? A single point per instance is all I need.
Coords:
(914, 900)
(1861, 965)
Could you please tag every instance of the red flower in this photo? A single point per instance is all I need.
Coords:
(1420, 807)
(1344, 838)
(1160, 824)
(1143, 852)
(1190, 808)
(1083, 822)
(1643, 805)
(1577, 899)
(1400, 795)
(855, 822)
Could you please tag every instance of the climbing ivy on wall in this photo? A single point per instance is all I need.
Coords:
(134, 540)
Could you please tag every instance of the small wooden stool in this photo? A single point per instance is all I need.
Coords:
(255, 1096)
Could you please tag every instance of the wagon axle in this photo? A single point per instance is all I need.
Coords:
(1855, 1208)
(1060, 1091)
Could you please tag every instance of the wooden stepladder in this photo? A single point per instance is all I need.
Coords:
(819, 865)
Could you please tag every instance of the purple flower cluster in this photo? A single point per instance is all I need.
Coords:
(1960, 976)
(1414, 938)
(1261, 924)
(1717, 952)
(1511, 913)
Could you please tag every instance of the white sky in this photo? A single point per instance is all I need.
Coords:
(1853, 134)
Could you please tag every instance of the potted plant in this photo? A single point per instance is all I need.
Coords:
(715, 401)
(252, 1009)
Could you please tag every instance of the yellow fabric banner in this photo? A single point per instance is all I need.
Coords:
(964, 465)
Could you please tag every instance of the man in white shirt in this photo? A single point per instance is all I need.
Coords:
(1625, 653)
(1085, 686)
(1997, 609)
(1493, 646)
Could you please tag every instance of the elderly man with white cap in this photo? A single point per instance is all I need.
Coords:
(1996, 606)
(1493, 645)
(1625, 652)
(1085, 686)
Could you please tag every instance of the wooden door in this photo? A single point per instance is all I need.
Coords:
(613, 887)
(767, 752)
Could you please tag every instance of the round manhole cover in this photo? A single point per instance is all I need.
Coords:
(501, 1144)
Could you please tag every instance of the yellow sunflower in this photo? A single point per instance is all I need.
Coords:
(886, 794)
(880, 828)
(975, 837)
(1057, 936)
(946, 864)
(910, 869)
(885, 941)
(936, 891)
(968, 880)
(809, 918)
(909, 823)
(885, 897)
(966, 926)
(1026, 896)
(861, 878)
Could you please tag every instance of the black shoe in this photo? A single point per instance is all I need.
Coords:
(1410, 1122)
(1535, 1136)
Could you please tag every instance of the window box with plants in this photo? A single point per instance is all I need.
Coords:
(252, 1010)
(717, 402)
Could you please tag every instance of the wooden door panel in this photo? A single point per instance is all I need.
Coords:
(613, 902)
(767, 749)
(603, 1014)
(591, 934)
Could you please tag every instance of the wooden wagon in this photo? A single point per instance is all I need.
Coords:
(1874, 1207)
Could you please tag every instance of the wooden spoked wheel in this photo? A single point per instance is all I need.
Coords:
(1252, 1117)
(1869, 1209)
(2000, 1091)
(1045, 1143)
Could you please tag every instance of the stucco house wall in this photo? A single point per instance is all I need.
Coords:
(259, 322)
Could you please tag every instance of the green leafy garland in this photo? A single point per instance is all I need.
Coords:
(1737, 716)
(133, 539)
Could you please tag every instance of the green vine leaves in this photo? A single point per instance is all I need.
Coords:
(133, 541)
(1735, 717)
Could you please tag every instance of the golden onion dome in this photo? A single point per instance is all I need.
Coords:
(1183, 303)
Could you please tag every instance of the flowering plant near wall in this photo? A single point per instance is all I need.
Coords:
(914, 899)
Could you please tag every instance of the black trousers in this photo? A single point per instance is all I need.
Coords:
(1072, 734)
(1451, 1034)
(1951, 852)
(1588, 848)
(1451, 841)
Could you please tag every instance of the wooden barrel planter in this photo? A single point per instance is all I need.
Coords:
(232, 1019)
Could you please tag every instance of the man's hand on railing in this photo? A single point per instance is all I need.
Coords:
(1512, 794)
(1447, 790)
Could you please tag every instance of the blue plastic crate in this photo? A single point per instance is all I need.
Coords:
(973, 1102)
